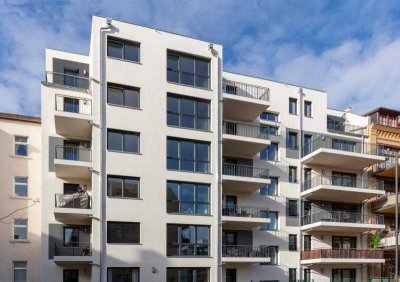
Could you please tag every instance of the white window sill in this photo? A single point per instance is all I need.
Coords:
(20, 241)
(20, 157)
(20, 197)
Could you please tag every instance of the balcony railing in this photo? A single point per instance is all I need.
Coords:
(343, 181)
(386, 200)
(73, 201)
(66, 80)
(245, 171)
(244, 251)
(73, 153)
(342, 217)
(244, 129)
(239, 211)
(82, 249)
(345, 128)
(389, 163)
(73, 105)
(341, 254)
(245, 90)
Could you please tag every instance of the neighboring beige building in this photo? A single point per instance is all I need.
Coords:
(20, 191)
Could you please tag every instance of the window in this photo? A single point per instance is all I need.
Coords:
(123, 232)
(348, 275)
(292, 174)
(122, 274)
(122, 49)
(292, 242)
(71, 236)
(71, 275)
(71, 188)
(344, 179)
(292, 106)
(188, 70)
(307, 144)
(270, 153)
(343, 242)
(188, 240)
(292, 206)
(123, 187)
(292, 275)
(307, 275)
(344, 145)
(273, 216)
(307, 242)
(307, 179)
(188, 274)
(123, 96)
(21, 146)
(230, 274)
(188, 198)
(188, 155)
(292, 141)
(269, 116)
(273, 254)
(123, 141)
(270, 189)
(270, 130)
(20, 229)
(71, 105)
(21, 186)
(20, 270)
(307, 109)
(188, 112)
(71, 77)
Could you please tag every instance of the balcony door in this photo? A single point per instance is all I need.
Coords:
(71, 236)
(342, 242)
(71, 77)
(344, 179)
(230, 238)
(230, 205)
(343, 275)
(231, 275)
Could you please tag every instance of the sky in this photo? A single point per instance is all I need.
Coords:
(350, 49)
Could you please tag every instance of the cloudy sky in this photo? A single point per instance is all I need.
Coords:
(351, 49)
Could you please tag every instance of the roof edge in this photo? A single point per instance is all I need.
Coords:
(17, 117)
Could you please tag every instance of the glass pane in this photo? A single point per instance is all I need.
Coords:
(203, 235)
(20, 275)
(187, 79)
(131, 232)
(21, 190)
(71, 105)
(115, 141)
(131, 52)
(173, 119)
(187, 150)
(21, 139)
(172, 148)
(115, 187)
(131, 188)
(203, 209)
(202, 68)
(131, 98)
(202, 193)
(187, 192)
(203, 123)
(188, 234)
(20, 233)
(187, 121)
(21, 150)
(131, 143)
(115, 96)
(203, 109)
(202, 81)
(188, 208)
(172, 164)
(202, 275)
(186, 65)
(172, 76)
(114, 49)
(172, 104)
(202, 153)
(172, 62)
(172, 197)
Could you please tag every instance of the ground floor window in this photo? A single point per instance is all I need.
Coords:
(71, 275)
(343, 275)
(188, 274)
(123, 274)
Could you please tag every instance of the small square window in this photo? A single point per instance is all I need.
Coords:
(21, 146)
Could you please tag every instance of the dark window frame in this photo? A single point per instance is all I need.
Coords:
(292, 176)
(292, 242)
(179, 269)
(123, 268)
(292, 140)
(123, 178)
(123, 88)
(109, 241)
(123, 132)
(293, 106)
(308, 108)
(124, 42)
(292, 208)
(266, 187)
(196, 203)
(196, 246)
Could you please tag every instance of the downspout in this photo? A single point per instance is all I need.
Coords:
(300, 205)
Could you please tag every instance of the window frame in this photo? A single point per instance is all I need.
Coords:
(292, 271)
(268, 114)
(293, 110)
(290, 211)
(125, 268)
(292, 243)
(123, 178)
(178, 244)
(308, 105)
(292, 178)
(293, 145)
(21, 184)
(20, 226)
(123, 88)
(264, 154)
(266, 187)
(124, 242)
(179, 269)
(124, 132)
(14, 268)
(123, 42)
(20, 143)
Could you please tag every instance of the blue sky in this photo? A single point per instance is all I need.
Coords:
(351, 49)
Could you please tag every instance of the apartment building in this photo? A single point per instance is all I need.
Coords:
(164, 167)
(20, 224)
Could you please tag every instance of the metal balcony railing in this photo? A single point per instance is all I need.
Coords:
(344, 181)
(345, 129)
(341, 254)
(244, 251)
(244, 129)
(72, 201)
(389, 163)
(343, 217)
(66, 80)
(245, 171)
(386, 200)
(72, 153)
(239, 211)
(73, 105)
(82, 249)
(245, 90)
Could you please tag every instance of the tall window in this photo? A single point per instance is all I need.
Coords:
(292, 208)
(307, 108)
(292, 275)
(292, 242)
(188, 112)
(20, 229)
(71, 236)
(188, 240)
(292, 141)
(123, 187)
(307, 275)
(122, 274)
(269, 116)
(188, 198)
(292, 106)
(123, 49)
(270, 153)
(123, 141)
(273, 217)
(20, 270)
(188, 274)
(21, 146)
(292, 174)
(307, 144)
(123, 232)
(188, 70)
(123, 96)
(273, 254)
(270, 189)
(188, 155)
(307, 242)
(21, 186)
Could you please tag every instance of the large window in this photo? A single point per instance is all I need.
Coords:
(123, 232)
(292, 106)
(188, 240)
(123, 187)
(188, 112)
(188, 70)
(21, 186)
(292, 208)
(21, 146)
(187, 155)
(20, 229)
(20, 270)
(270, 153)
(123, 49)
(292, 242)
(188, 274)
(122, 274)
(123, 96)
(343, 145)
(188, 198)
(123, 141)
(270, 189)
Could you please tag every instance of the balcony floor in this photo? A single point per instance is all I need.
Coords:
(242, 108)
(73, 125)
(334, 261)
(326, 226)
(242, 223)
(65, 260)
(73, 215)
(243, 184)
(72, 169)
(243, 147)
(240, 260)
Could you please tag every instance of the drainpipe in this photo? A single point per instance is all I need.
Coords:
(300, 205)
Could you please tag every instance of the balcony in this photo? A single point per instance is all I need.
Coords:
(243, 178)
(385, 203)
(347, 129)
(238, 217)
(66, 81)
(243, 101)
(244, 254)
(342, 221)
(386, 168)
(327, 151)
(243, 140)
(79, 252)
(341, 256)
(73, 208)
(342, 189)
(389, 241)
(73, 162)
(73, 116)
